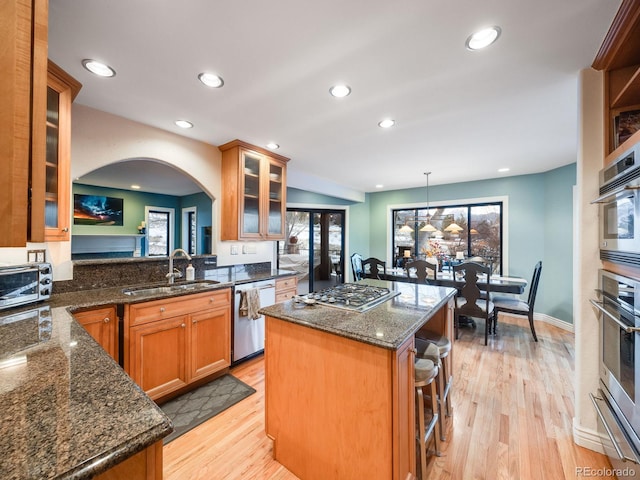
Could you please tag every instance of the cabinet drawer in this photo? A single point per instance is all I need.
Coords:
(171, 307)
(286, 283)
(285, 295)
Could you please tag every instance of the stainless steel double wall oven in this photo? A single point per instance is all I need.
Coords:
(617, 400)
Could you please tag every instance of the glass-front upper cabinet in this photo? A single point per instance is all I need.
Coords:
(253, 193)
(276, 206)
(61, 90)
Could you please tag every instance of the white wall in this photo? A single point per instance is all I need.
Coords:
(586, 255)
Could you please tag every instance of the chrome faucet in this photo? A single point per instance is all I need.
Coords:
(174, 272)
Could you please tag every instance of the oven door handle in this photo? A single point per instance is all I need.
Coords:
(614, 443)
(624, 327)
(604, 198)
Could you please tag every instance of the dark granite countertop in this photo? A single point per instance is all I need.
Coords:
(68, 410)
(388, 325)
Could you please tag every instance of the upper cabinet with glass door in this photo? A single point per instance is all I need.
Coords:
(253, 193)
(61, 90)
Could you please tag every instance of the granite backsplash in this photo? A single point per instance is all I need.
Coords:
(123, 272)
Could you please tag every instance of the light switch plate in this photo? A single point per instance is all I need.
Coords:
(250, 248)
(234, 249)
(36, 256)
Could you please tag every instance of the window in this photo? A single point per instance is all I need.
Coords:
(460, 230)
(189, 230)
(159, 231)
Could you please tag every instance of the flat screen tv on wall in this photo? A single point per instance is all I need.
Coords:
(97, 210)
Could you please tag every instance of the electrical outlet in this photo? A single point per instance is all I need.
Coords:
(35, 256)
(234, 249)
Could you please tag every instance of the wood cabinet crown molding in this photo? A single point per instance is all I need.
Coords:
(248, 146)
(621, 46)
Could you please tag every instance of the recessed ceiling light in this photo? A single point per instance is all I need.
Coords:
(135, 187)
(483, 38)
(98, 68)
(211, 80)
(502, 170)
(272, 146)
(340, 91)
(183, 124)
(386, 123)
(379, 185)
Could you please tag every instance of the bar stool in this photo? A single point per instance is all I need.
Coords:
(425, 374)
(436, 348)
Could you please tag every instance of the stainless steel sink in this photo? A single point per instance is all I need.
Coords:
(142, 291)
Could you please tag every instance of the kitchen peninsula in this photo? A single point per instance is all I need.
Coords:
(339, 383)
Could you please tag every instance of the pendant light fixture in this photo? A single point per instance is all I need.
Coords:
(427, 226)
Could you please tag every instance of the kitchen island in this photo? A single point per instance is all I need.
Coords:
(339, 383)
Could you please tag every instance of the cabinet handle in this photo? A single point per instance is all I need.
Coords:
(194, 321)
(183, 325)
(162, 309)
(211, 300)
(106, 320)
(65, 229)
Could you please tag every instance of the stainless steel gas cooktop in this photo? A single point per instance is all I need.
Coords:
(352, 296)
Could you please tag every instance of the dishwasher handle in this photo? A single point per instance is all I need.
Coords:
(264, 287)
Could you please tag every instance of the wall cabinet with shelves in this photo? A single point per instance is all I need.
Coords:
(619, 58)
(173, 342)
(253, 193)
(61, 90)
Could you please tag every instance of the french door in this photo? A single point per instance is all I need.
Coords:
(314, 247)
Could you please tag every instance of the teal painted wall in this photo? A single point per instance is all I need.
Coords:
(540, 226)
(203, 205)
(134, 206)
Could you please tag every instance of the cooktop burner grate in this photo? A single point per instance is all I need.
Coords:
(352, 296)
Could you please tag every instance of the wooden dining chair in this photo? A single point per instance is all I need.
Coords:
(425, 271)
(356, 267)
(515, 306)
(470, 301)
(372, 268)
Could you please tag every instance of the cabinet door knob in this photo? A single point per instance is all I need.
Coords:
(106, 320)
(162, 309)
(194, 321)
(65, 229)
(183, 325)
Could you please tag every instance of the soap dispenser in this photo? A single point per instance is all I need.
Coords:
(191, 273)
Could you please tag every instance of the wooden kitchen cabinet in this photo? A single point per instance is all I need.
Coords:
(23, 36)
(286, 288)
(61, 90)
(173, 342)
(253, 193)
(362, 397)
(102, 325)
(619, 58)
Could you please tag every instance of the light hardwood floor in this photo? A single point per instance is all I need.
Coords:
(513, 410)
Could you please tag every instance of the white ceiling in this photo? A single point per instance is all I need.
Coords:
(461, 115)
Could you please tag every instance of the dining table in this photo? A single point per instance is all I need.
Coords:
(497, 283)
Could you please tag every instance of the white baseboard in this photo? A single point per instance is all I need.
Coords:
(587, 438)
(543, 317)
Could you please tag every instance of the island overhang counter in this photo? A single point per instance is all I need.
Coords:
(339, 384)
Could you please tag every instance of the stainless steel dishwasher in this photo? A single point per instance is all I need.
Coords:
(248, 334)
